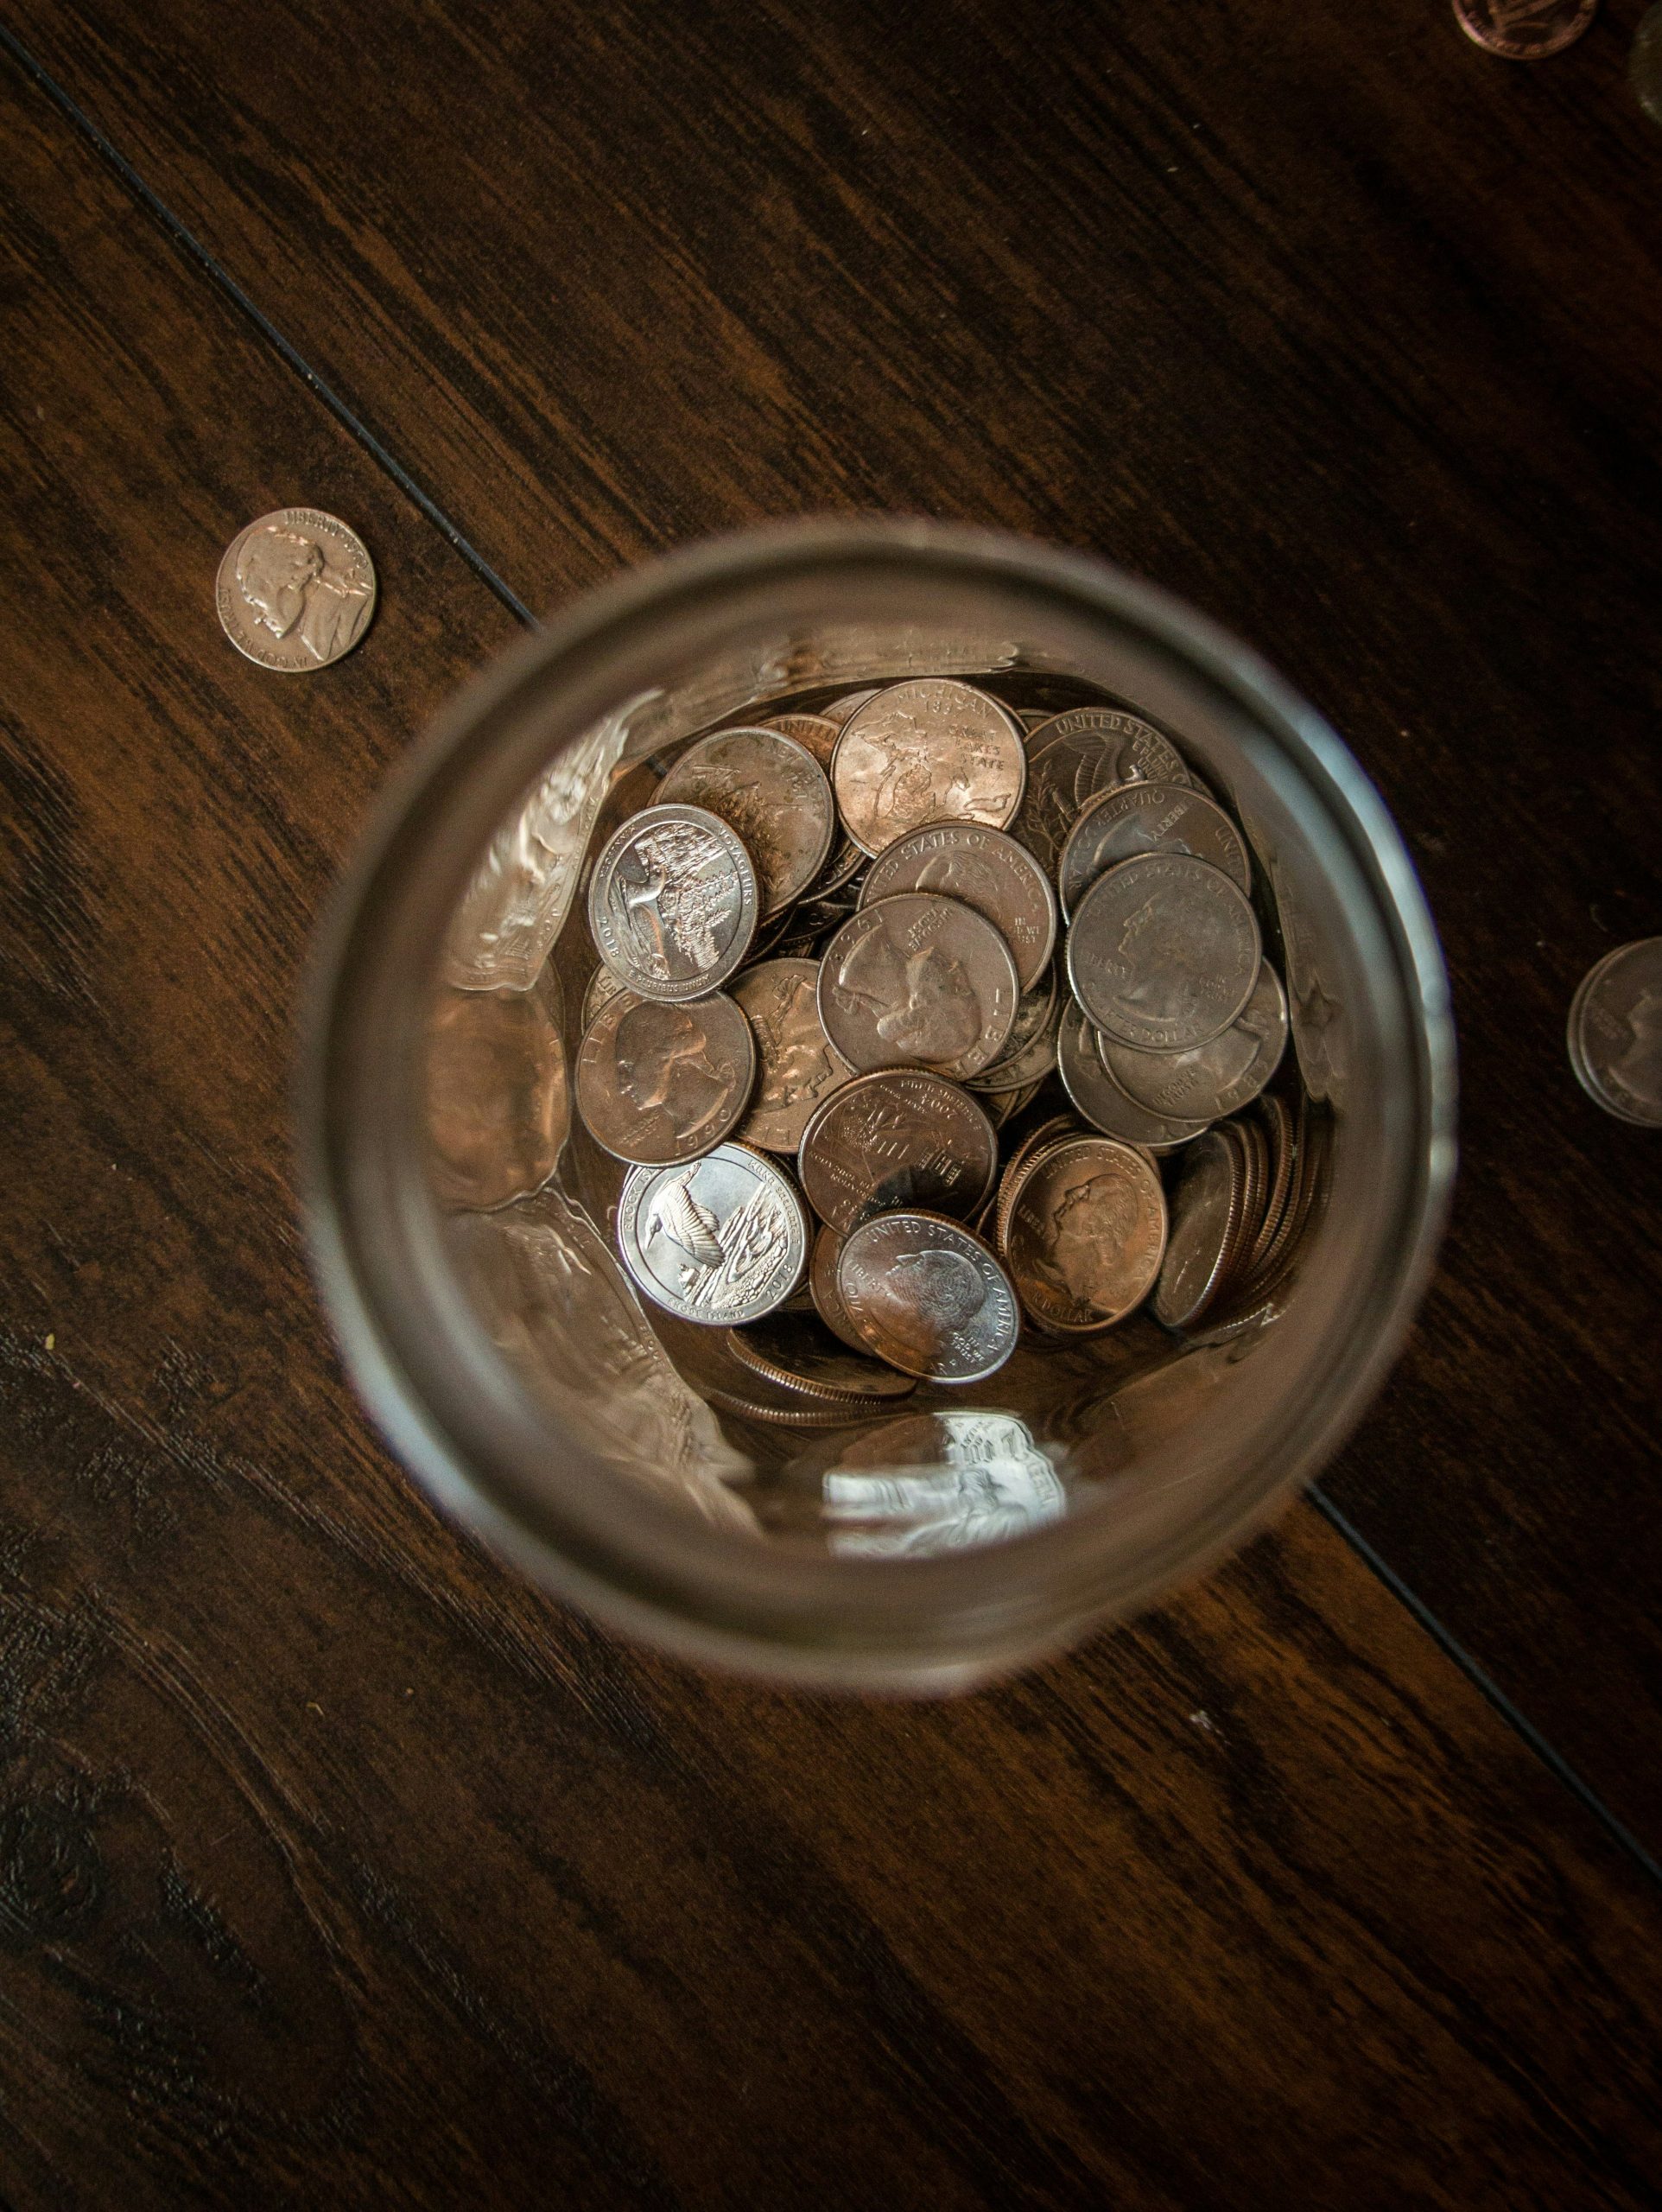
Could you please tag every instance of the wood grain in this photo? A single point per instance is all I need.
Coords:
(1346, 330)
(337, 1868)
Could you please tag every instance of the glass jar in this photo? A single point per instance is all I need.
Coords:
(486, 1321)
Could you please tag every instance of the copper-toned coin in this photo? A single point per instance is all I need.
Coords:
(800, 1067)
(1524, 30)
(1085, 1238)
(1117, 825)
(1164, 952)
(773, 792)
(498, 1105)
(919, 981)
(1095, 1094)
(930, 750)
(823, 1288)
(928, 1296)
(787, 1412)
(901, 1138)
(721, 1242)
(795, 1351)
(1615, 1033)
(815, 734)
(1030, 1052)
(602, 986)
(985, 868)
(296, 590)
(659, 1084)
(841, 709)
(672, 902)
(1206, 1217)
(1072, 757)
(1209, 1081)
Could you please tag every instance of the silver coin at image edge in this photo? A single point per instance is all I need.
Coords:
(296, 590)
(1615, 1033)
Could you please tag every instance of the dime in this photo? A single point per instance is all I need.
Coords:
(794, 1351)
(815, 734)
(660, 1084)
(930, 750)
(1117, 825)
(1030, 1050)
(800, 1065)
(1085, 1236)
(1072, 757)
(1164, 952)
(1206, 1217)
(1086, 1079)
(721, 1242)
(672, 902)
(985, 868)
(900, 1138)
(296, 590)
(1209, 1081)
(929, 1297)
(1615, 1033)
(918, 980)
(1524, 30)
(773, 792)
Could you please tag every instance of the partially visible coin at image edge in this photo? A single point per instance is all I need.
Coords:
(296, 590)
(1524, 30)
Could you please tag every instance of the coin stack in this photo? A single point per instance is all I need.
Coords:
(828, 983)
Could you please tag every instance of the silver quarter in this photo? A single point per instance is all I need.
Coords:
(1117, 825)
(988, 871)
(773, 793)
(1072, 757)
(1615, 1033)
(1086, 1234)
(1164, 952)
(660, 1084)
(672, 902)
(794, 1351)
(1030, 1052)
(919, 981)
(603, 986)
(800, 1067)
(296, 590)
(929, 750)
(1205, 1223)
(901, 1138)
(1095, 1094)
(721, 1242)
(1209, 1081)
(929, 1297)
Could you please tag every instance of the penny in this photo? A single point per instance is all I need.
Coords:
(1030, 1050)
(1117, 825)
(661, 1083)
(773, 792)
(1524, 30)
(985, 868)
(900, 1138)
(1615, 1033)
(929, 1297)
(1164, 952)
(672, 902)
(1072, 757)
(1086, 1235)
(800, 1066)
(602, 986)
(795, 1351)
(296, 590)
(1205, 1223)
(1095, 1093)
(1211, 1080)
(815, 734)
(929, 750)
(919, 981)
(722, 1241)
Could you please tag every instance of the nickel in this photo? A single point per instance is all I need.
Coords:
(296, 590)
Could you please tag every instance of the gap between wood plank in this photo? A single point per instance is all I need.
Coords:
(359, 431)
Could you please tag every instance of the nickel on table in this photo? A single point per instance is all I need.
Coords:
(918, 980)
(296, 590)
(1209, 1081)
(1117, 825)
(901, 1138)
(1164, 952)
(929, 1297)
(773, 793)
(929, 750)
(1085, 1233)
(800, 1067)
(1615, 1033)
(721, 1242)
(987, 870)
(660, 1083)
(672, 902)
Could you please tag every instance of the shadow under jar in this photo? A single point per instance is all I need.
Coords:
(463, 1221)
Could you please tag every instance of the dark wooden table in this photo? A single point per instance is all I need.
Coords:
(338, 1868)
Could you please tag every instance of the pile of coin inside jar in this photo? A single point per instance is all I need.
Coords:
(844, 956)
